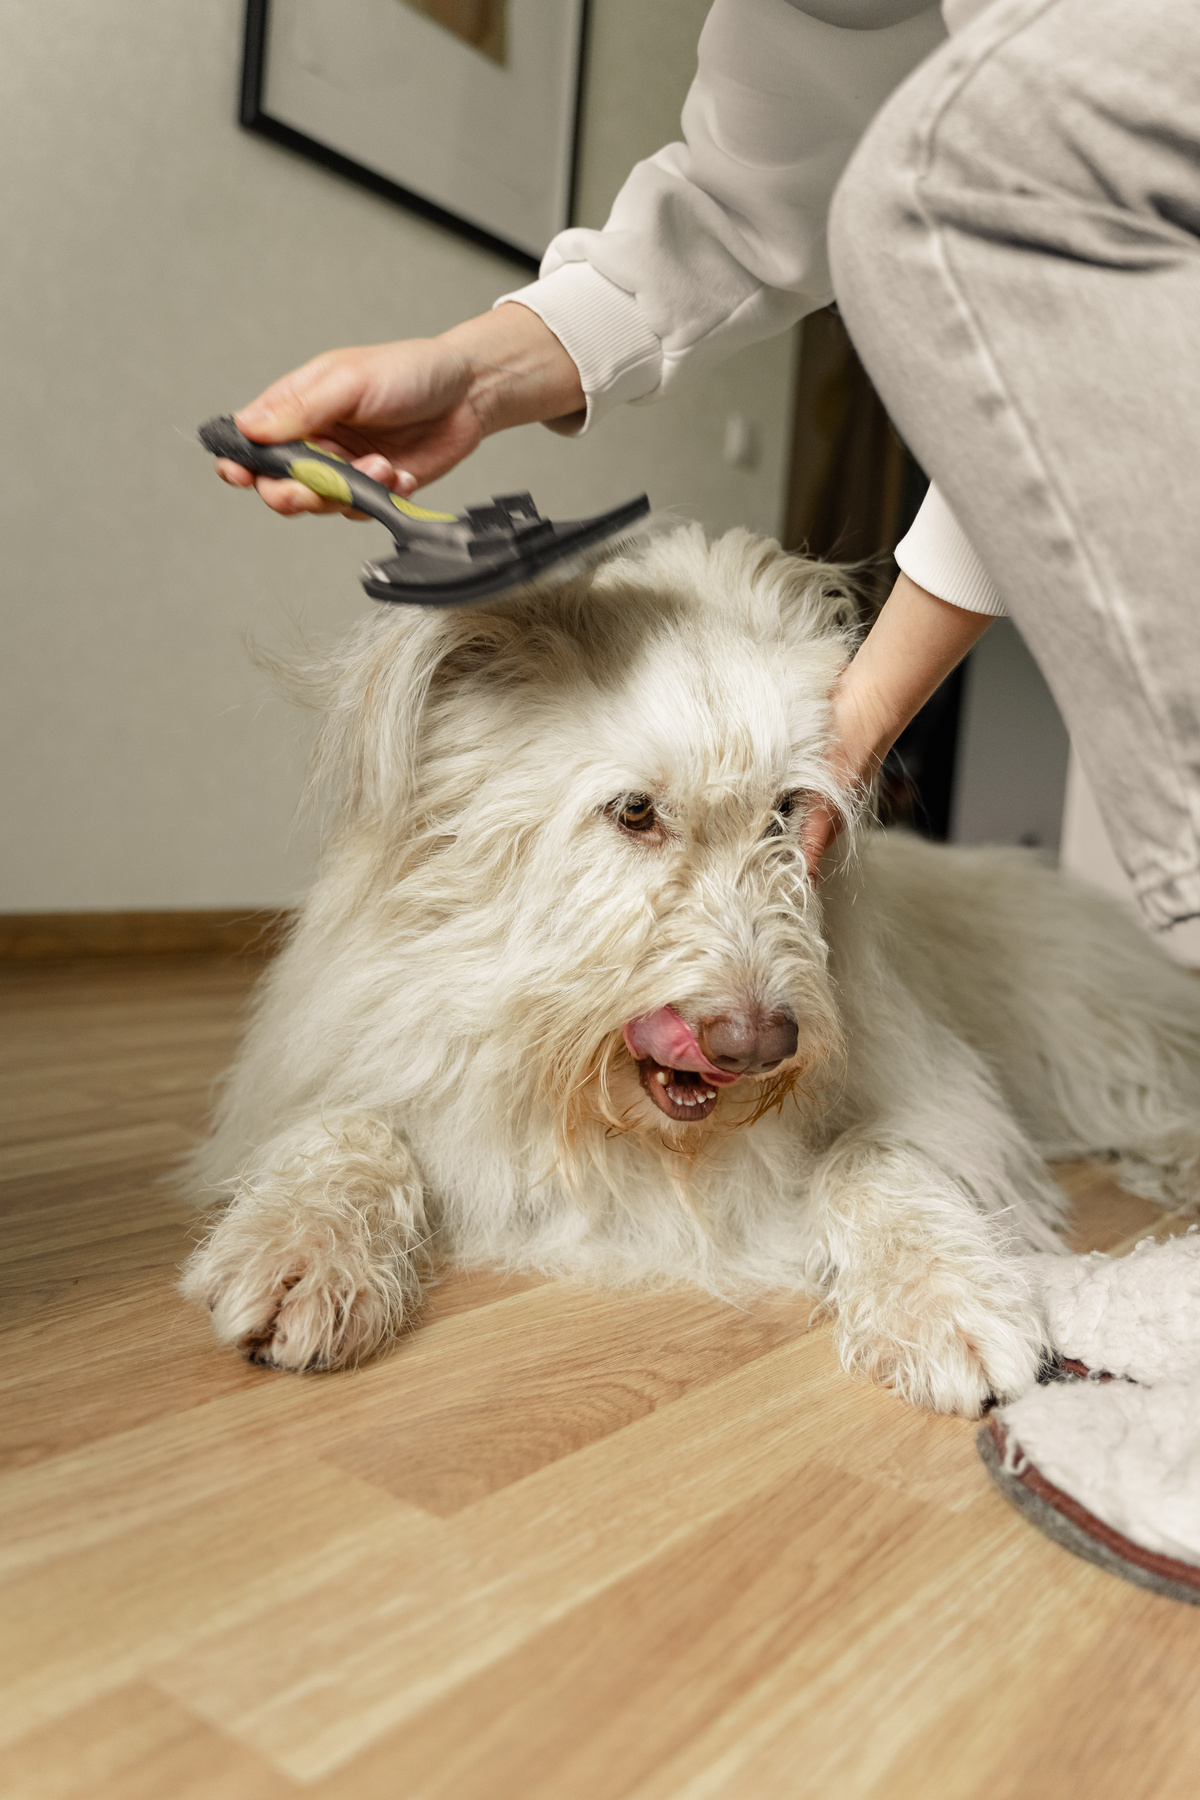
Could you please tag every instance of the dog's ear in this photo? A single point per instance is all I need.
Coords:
(374, 693)
(818, 599)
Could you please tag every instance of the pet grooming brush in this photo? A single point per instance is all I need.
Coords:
(439, 559)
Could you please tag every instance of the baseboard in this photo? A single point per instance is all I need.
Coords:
(75, 936)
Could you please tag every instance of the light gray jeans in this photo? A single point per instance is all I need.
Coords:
(1016, 253)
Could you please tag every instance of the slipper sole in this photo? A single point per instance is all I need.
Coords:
(1079, 1531)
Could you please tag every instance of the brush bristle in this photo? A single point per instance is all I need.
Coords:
(584, 562)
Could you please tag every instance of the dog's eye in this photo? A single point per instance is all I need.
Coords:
(784, 808)
(637, 813)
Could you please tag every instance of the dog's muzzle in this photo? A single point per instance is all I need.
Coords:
(683, 1069)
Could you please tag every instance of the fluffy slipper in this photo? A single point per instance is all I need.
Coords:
(1136, 1315)
(1110, 1472)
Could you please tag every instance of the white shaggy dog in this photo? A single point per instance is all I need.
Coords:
(565, 999)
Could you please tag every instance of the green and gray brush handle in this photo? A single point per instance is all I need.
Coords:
(328, 475)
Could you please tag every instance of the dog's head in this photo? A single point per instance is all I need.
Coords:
(580, 813)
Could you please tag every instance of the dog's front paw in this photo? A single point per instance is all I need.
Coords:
(941, 1339)
(290, 1297)
(317, 1260)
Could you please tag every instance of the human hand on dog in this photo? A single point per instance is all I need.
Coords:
(913, 645)
(407, 412)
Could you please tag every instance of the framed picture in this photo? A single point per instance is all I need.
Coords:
(463, 110)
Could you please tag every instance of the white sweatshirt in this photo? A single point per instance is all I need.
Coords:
(719, 241)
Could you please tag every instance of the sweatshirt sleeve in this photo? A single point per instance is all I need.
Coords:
(719, 241)
(937, 555)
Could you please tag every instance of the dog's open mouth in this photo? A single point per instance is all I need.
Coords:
(674, 1070)
(682, 1094)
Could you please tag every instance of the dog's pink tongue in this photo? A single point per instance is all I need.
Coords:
(664, 1036)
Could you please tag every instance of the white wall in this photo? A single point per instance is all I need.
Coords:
(1018, 781)
(1011, 759)
(161, 265)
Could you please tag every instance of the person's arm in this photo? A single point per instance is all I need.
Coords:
(719, 241)
(913, 645)
(714, 243)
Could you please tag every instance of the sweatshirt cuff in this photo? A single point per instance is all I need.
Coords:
(602, 329)
(936, 554)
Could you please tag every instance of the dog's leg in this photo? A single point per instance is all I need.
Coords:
(927, 1296)
(318, 1257)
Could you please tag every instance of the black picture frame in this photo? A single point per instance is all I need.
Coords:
(253, 116)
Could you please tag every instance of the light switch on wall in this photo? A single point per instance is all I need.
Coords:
(741, 441)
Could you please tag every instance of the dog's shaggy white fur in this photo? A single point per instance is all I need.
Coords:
(557, 817)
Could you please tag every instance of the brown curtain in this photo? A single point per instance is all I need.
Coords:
(851, 475)
(853, 491)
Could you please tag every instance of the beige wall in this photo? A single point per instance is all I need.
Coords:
(161, 265)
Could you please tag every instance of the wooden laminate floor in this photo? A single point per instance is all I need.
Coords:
(559, 1544)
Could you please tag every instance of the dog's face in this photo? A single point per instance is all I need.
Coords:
(689, 853)
(593, 832)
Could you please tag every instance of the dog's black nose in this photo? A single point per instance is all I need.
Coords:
(748, 1043)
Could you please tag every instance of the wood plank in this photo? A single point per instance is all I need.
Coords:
(135, 1353)
(953, 1638)
(1165, 1226)
(625, 1680)
(591, 1368)
(1103, 1216)
(120, 1417)
(132, 1356)
(673, 1682)
(158, 1143)
(145, 1237)
(71, 936)
(87, 1101)
(99, 1617)
(135, 1744)
(400, 1636)
(1123, 1720)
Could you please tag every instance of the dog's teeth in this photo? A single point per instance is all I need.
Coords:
(688, 1096)
(663, 1076)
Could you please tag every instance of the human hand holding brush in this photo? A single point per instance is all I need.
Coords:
(428, 402)
(408, 412)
